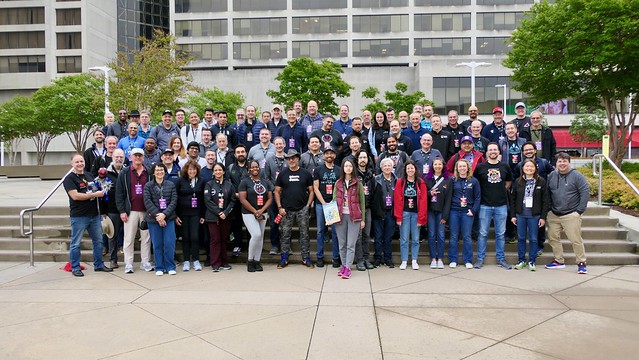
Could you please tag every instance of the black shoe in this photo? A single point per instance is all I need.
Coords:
(377, 263)
(250, 266)
(320, 262)
(360, 266)
(368, 265)
(337, 263)
(226, 266)
(77, 273)
(103, 268)
(258, 266)
(390, 264)
(207, 262)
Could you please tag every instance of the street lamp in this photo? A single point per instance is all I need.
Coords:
(505, 86)
(473, 65)
(105, 70)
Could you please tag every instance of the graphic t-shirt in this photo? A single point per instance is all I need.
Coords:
(84, 185)
(410, 197)
(492, 182)
(256, 192)
(327, 178)
(294, 186)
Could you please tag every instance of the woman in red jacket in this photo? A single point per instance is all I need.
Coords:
(411, 211)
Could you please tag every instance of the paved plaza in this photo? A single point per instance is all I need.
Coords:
(300, 313)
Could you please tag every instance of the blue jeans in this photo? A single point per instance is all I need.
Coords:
(436, 235)
(93, 225)
(409, 232)
(322, 233)
(163, 240)
(460, 223)
(528, 226)
(499, 215)
(383, 230)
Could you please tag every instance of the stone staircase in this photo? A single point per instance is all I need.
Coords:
(605, 240)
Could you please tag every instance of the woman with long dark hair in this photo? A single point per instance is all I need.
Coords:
(377, 134)
(411, 212)
(440, 189)
(190, 213)
(219, 198)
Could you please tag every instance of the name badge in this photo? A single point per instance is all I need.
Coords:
(260, 200)
(193, 202)
(538, 145)
(249, 137)
(327, 145)
(309, 129)
(515, 158)
(456, 143)
(220, 201)
(426, 168)
(389, 201)
(382, 146)
(262, 163)
(528, 201)
(277, 173)
(366, 190)
(463, 202)
(138, 189)
(433, 198)
(162, 204)
(291, 143)
(329, 188)
(411, 203)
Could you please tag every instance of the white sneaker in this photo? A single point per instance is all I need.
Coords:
(187, 266)
(414, 265)
(433, 264)
(440, 264)
(128, 269)
(197, 266)
(146, 267)
(452, 265)
(403, 265)
(469, 266)
(159, 273)
(172, 272)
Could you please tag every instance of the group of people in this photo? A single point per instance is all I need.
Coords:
(376, 173)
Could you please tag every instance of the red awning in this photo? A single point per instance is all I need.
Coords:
(565, 141)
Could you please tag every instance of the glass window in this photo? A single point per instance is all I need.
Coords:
(69, 40)
(258, 5)
(257, 26)
(68, 17)
(18, 16)
(316, 4)
(375, 4)
(492, 45)
(320, 49)
(319, 25)
(442, 22)
(22, 40)
(18, 64)
(69, 64)
(217, 51)
(385, 47)
(380, 23)
(441, 2)
(185, 6)
(504, 2)
(499, 20)
(442, 46)
(201, 27)
(259, 50)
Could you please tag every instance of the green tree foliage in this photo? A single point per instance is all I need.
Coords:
(586, 128)
(151, 78)
(584, 49)
(11, 131)
(398, 99)
(218, 100)
(303, 79)
(72, 105)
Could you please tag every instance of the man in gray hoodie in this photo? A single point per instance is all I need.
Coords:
(569, 194)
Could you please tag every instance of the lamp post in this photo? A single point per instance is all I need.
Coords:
(105, 70)
(473, 65)
(505, 86)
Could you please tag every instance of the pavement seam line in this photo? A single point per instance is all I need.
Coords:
(379, 335)
(319, 301)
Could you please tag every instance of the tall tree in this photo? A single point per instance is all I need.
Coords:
(218, 100)
(584, 49)
(152, 78)
(303, 79)
(11, 133)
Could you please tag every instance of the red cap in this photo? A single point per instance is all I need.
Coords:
(498, 109)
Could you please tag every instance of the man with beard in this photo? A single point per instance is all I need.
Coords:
(511, 147)
(480, 143)
(119, 129)
(313, 120)
(329, 137)
(467, 152)
(424, 157)
(343, 125)
(96, 150)
(237, 172)
(263, 149)
(496, 131)
(404, 143)
(294, 135)
(367, 179)
(209, 118)
(222, 127)
(207, 141)
(442, 139)
(297, 106)
(144, 131)
(455, 129)
(165, 131)
(207, 171)
(313, 158)
(426, 122)
(324, 180)
(275, 164)
(522, 121)
(193, 130)
(115, 242)
(132, 141)
(151, 153)
(541, 136)
(111, 143)
(397, 156)
(473, 112)
(357, 129)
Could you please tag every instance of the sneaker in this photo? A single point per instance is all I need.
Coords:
(337, 263)
(452, 265)
(440, 264)
(215, 268)
(390, 264)
(581, 268)
(274, 251)
(503, 264)
(187, 266)
(555, 265)
(258, 266)
(511, 241)
(320, 262)
(368, 265)
(433, 264)
(540, 252)
(197, 266)
(402, 266)
(360, 266)
(414, 265)
(478, 264)
(172, 272)
(77, 273)
(250, 266)
(236, 251)
(520, 265)
(469, 265)
(308, 263)
(146, 267)
(377, 263)
(226, 266)
(114, 265)
(159, 273)
(128, 269)
(341, 271)
(531, 266)
(283, 262)
(347, 273)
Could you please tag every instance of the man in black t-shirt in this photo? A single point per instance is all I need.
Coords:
(297, 183)
(329, 136)
(494, 178)
(84, 215)
(324, 179)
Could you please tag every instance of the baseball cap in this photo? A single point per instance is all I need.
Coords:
(137, 151)
(168, 150)
(466, 138)
(194, 144)
(520, 104)
(277, 106)
(498, 109)
(330, 148)
(134, 113)
(167, 112)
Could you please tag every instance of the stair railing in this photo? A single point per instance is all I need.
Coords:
(598, 160)
(30, 211)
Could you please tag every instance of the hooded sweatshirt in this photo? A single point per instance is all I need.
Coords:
(568, 192)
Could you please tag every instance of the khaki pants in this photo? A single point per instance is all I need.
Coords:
(130, 230)
(571, 225)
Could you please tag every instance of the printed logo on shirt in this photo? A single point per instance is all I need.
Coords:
(494, 176)
(259, 188)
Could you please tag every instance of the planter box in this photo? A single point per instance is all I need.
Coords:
(44, 172)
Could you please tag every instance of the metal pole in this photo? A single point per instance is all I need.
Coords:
(31, 242)
(472, 85)
(600, 179)
(1, 153)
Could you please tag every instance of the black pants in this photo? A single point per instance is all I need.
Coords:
(190, 237)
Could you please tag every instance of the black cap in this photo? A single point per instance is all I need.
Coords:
(193, 144)
(134, 113)
(330, 148)
(168, 150)
(167, 111)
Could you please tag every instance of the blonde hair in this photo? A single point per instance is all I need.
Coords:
(470, 169)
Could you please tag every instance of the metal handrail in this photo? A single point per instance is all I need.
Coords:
(30, 211)
(598, 159)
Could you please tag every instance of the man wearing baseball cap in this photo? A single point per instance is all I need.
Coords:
(324, 178)
(496, 131)
(467, 152)
(522, 121)
(277, 121)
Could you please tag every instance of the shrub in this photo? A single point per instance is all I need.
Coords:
(615, 190)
